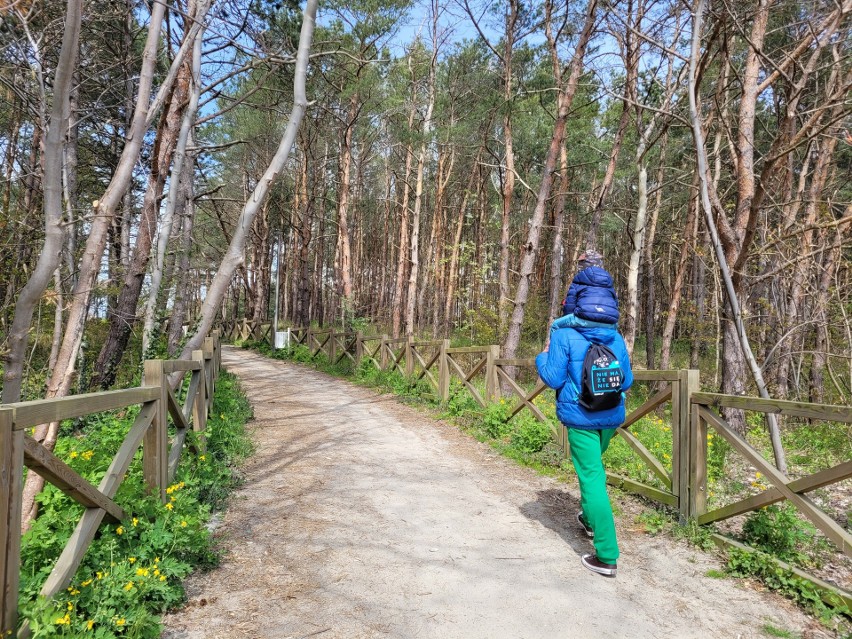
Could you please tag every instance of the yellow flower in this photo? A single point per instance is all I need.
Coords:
(88, 455)
(100, 575)
(172, 499)
(70, 606)
(169, 506)
(86, 583)
(142, 572)
(89, 624)
(74, 592)
(135, 521)
(128, 585)
(183, 524)
(131, 559)
(64, 621)
(119, 530)
(162, 577)
(202, 457)
(156, 560)
(120, 622)
(222, 416)
(73, 454)
(156, 572)
(757, 475)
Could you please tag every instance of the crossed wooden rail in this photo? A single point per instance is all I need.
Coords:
(158, 402)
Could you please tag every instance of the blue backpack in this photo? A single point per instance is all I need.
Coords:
(602, 379)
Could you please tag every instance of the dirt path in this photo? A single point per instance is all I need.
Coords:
(361, 517)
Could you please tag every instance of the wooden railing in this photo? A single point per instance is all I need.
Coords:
(683, 488)
(160, 458)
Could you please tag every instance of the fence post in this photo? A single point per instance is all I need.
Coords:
(359, 348)
(209, 353)
(332, 347)
(687, 383)
(155, 459)
(444, 372)
(697, 459)
(492, 385)
(409, 356)
(383, 353)
(199, 406)
(308, 341)
(11, 485)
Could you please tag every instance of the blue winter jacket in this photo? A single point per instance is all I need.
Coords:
(592, 296)
(561, 368)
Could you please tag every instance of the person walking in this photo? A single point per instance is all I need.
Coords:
(587, 364)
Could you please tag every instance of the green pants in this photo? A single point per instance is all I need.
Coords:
(587, 446)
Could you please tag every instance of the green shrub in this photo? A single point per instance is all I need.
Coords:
(530, 435)
(778, 531)
(494, 421)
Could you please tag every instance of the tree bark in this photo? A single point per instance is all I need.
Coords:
(49, 258)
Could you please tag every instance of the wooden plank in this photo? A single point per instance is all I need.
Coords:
(522, 394)
(178, 365)
(829, 593)
(468, 349)
(642, 489)
(199, 406)
(175, 410)
(655, 376)
(465, 378)
(191, 392)
(826, 412)
(89, 523)
(61, 475)
(174, 453)
(660, 398)
(11, 481)
(44, 411)
(830, 528)
(524, 362)
(696, 489)
(773, 495)
(647, 456)
(431, 343)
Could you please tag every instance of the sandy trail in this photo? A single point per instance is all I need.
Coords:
(362, 517)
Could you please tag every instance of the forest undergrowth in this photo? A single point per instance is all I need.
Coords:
(775, 531)
(133, 571)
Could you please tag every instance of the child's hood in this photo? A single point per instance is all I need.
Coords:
(594, 276)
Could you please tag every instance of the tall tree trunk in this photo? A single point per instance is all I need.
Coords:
(687, 250)
(631, 60)
(418, 190)
(509, 173)
(165, 233)
(566, 98)
(182, 286)
(124, 316)
(402, 263)
(343, 253)
(48, 260)
(736, 325)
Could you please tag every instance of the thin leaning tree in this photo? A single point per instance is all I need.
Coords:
(235, 255)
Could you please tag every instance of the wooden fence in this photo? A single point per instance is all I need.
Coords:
(160, 459)
(684, 488)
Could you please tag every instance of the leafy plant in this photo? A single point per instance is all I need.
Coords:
(778, 531)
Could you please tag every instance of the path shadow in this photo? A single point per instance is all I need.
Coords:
(557, 510)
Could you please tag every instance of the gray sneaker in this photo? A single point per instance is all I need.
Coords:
(596, 565)
(589, 532)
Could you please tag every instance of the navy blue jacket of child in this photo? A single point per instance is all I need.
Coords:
(592, 296)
